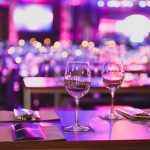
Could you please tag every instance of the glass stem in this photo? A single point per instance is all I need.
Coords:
(112, 102)
(77, 112)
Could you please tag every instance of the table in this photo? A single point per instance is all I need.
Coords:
(107, 135)
(55, 85)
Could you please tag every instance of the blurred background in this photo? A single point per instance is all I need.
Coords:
(37, 37)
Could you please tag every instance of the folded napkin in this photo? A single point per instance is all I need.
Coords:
(21, 115)
(28, 131)
(26, 115)
(133, 113)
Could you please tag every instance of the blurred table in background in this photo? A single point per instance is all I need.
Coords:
(55, 85)
(25, 59)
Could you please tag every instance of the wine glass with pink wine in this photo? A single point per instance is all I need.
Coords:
(112, 75)
(77, 81)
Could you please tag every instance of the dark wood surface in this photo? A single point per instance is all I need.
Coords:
(106, 135)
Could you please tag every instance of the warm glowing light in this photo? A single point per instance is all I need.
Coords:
(38, 45)
(18, 60)
(11, 50)
(91, 45)
(47, 41)
(78, 52)
(34, 43)
(42, 49)
(53, 49)
(111, 43)
(21, 42)
(145, 59)
(84, 43)
(57, 44)
(32, 40)
(64, 54)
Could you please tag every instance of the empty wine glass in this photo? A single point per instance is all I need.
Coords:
(113, 75)
(77, 82)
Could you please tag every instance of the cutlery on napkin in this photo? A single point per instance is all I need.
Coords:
(26, 114)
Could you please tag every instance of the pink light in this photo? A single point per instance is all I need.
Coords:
(16, 86)
(36, 102)
(65, 35)
(13, 36)
(64, 25)
(107, 25)
(115, 76)
(64, 15)
(76, 2)
(33, 1)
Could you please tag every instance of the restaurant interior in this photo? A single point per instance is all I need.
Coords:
(38, 37)
(75, 74)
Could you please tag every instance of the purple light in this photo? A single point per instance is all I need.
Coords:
(33, 1)
(33, 17)
(4, 3)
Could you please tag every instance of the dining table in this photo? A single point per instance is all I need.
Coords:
(124, 134)
(55, 86)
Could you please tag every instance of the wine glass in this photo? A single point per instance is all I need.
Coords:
(77, 82)
(112, 75)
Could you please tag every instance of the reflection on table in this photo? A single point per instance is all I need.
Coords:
(110, 135)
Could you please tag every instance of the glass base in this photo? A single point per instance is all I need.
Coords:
(76, 128)
(112, 116)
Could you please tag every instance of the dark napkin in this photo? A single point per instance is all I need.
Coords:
(28, 131)
(51, 132)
